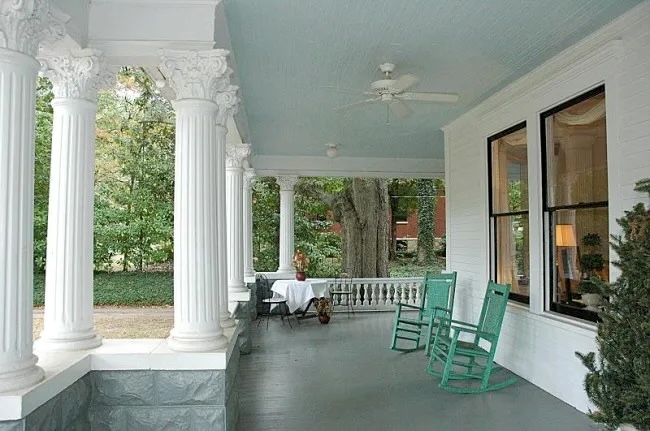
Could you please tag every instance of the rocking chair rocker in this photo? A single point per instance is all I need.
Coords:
(437, 301)
(453, 359)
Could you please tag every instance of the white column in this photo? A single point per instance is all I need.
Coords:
(235, 156)
(286, 223)
(22, 25)
(68, 317)
(195, 75)
(228, 103)
(249, 180)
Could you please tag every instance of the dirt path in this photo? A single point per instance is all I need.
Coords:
(125, 322)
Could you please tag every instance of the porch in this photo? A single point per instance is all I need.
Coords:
(342, 376)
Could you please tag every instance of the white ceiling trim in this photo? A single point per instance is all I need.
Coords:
(353, 167)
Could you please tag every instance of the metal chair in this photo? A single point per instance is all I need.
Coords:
(343, 288)
(266, 302)
(453, 359)
(437, 300)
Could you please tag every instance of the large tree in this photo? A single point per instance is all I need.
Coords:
(363, 210)
(134, 175)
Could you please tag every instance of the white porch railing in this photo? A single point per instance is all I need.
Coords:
(378, 294)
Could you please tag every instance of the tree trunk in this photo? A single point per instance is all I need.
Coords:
(365, 219)
(426, 220)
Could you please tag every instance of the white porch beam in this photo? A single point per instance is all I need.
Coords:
(236, 154)
(287, 184)
(195, 76)
(68, 318)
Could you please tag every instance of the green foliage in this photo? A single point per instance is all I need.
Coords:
(266, 224)
(409, 268)
(313, 224)
(43, 137)
(591, 262)
(133, 289)
(134, 176)
(618, 378)
(426, 190)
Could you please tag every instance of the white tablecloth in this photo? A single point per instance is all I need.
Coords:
(299, 293)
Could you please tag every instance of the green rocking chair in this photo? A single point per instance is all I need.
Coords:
(437, 301)
(453, 359)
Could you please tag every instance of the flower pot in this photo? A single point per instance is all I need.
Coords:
(324, 318)
(301, 276)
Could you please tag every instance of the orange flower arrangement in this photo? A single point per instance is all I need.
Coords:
(300, 261)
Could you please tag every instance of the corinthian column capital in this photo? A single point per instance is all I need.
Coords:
(76, 74)
(228, 103)
(196, 74)
(236, 154)
(24, 24)
(287, 183)
(250, 177)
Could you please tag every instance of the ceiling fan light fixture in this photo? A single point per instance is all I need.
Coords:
(332, 150)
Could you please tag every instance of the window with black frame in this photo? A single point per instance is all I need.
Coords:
(575, 200)
(509, 231)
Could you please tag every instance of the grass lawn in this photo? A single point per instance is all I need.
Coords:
(134, 289)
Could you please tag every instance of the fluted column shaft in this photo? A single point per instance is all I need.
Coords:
(18, 74)
(247, 209)
(201, 80)
(235, 156)
(68, 316)
(223, 259)
(286, 223)
(196, 302)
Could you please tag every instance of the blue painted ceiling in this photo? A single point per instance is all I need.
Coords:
(298, 59)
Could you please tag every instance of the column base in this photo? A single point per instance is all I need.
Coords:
(237, 288)
(68, 342)
(227, 321)
(184, 342)
(21, 375)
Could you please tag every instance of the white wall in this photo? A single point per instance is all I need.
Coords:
(536, 344)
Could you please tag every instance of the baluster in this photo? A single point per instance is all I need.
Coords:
(358, 295)
(416, 294)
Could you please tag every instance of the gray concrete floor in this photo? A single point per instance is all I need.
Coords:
(342, 376)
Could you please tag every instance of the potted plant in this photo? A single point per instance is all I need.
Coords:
(618, 377)
(323, 309)
(590, 263)
(300, 263)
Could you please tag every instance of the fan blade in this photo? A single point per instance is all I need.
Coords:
(360, 102)
(404, 82)
(400, 108)
(430, 97)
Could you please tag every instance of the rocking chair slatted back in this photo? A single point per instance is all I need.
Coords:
(494, 306)
(437, 300)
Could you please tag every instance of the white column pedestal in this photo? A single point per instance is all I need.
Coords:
(286, 224)
(235, 156)
(247, 209)
(17, 101)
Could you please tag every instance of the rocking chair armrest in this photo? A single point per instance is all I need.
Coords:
(484, 335)
(446, 310)
(414, 307)
(457, 323)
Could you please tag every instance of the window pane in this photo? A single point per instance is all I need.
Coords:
(509, 173)
(511, 250)
(580, 247)
(576, 153)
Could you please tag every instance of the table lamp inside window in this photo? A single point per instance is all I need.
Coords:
(565, 241)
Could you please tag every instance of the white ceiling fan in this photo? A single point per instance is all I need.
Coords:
(392, 92)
